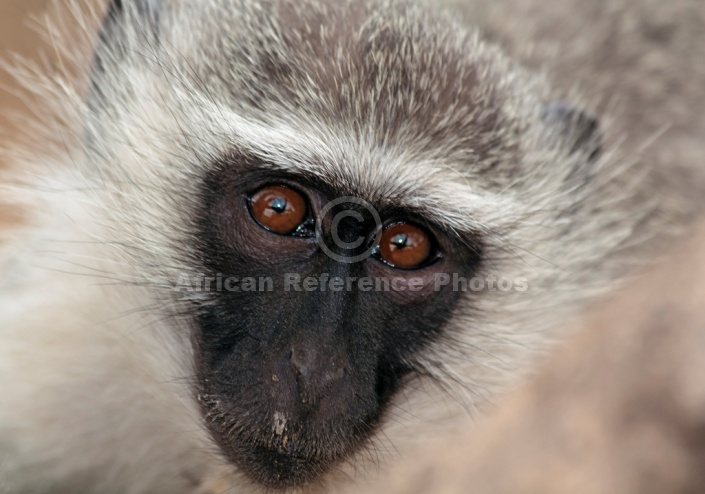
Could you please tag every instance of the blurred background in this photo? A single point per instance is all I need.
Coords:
(18, 34)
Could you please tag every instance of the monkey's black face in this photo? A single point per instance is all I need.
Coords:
(315, 313)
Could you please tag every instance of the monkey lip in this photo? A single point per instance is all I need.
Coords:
(288, 460)
(276, 468)
(286, 450)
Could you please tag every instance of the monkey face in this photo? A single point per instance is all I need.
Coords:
(325, 176)
(317, 308)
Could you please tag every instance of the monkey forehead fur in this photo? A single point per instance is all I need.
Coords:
(382, 100)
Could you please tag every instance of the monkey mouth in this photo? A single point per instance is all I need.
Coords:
(292, 459)
(283, 453)
(280, 466)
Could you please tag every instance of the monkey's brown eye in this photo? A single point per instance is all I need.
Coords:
(278, 209)
(405, 246)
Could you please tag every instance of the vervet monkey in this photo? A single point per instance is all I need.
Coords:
(285, 241)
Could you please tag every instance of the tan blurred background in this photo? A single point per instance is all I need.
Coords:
(17, 35)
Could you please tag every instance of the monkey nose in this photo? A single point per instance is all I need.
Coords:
(315, 369)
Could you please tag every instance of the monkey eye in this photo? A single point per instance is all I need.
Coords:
(279, 209)
(405, 246)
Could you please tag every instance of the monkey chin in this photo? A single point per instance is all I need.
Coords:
(279, 466)
(284, 444)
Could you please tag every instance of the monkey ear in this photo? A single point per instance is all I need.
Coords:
(579, 131)
(126, 23)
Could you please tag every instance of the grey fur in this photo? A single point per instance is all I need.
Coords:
(383, 100)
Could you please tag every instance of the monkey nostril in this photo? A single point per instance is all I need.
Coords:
(301, 361)
(313, 370)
